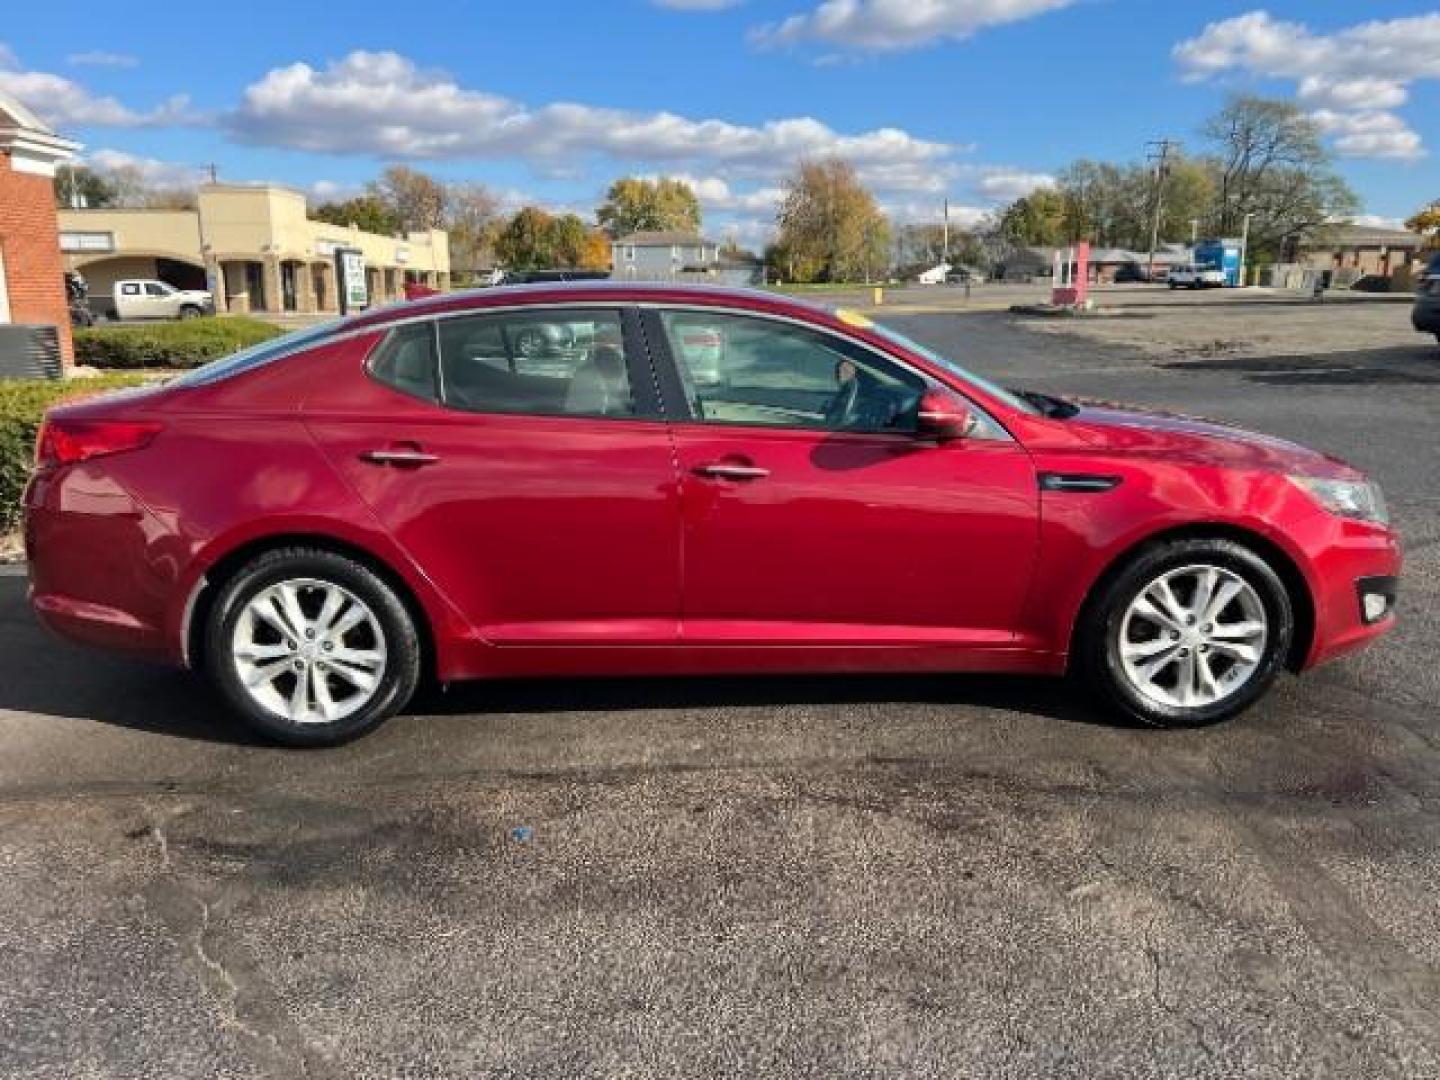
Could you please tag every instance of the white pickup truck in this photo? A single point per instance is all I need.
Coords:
(1191, 276)
(148, 299)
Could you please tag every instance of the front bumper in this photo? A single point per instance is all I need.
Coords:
(1354, 569)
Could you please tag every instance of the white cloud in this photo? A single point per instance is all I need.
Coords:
(715, 193)
(1008, 185)
(63, 103)
(1370, 134)
(930, 212)
(1350, 78)
(1362, 93)
(382, 104)
(101, 58)
(150, 171)
(899, 24)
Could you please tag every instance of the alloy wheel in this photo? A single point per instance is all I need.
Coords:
(309, 651)
(1193, 637)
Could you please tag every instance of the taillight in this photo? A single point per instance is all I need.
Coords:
(64, 442)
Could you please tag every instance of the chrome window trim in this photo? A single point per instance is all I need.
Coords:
(384, 328)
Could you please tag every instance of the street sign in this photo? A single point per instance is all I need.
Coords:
(350, 280)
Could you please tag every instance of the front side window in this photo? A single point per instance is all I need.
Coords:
(155, 288)
(546, 361)
(744, 370)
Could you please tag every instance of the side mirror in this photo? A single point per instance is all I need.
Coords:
(943, 417)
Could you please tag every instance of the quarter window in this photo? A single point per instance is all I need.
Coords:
(544, 361)
(743, 370)
(406, 361)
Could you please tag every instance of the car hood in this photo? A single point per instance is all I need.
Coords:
(1146, 433)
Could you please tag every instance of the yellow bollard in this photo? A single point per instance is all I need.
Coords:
(879, 296)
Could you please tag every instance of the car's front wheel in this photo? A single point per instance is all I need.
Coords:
(1190, 632)
(311, 648)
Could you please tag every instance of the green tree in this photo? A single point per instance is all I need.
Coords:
(1040, 218)
(524, 242)
(636, 205)
(1273, 169)
(534, 240)
(830, 227)
(80, 186)
(1426, 222)
(366, 212)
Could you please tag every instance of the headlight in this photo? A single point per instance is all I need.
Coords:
(1358, 499)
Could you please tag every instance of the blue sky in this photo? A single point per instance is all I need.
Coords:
(977, 100)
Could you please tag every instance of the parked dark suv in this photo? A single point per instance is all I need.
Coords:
(1426, 315)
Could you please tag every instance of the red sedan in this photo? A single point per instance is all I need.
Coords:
(679, 480)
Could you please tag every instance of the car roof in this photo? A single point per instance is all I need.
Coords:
(560, 292)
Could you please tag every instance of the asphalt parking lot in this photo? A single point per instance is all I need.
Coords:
(920, 877)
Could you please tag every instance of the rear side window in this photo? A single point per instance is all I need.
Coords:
(545, 362)
(406, 361)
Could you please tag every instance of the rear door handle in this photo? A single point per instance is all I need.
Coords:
(405, 459)
(725, 471)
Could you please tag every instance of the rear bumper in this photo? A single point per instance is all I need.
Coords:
(101, 569)
(1362, 562)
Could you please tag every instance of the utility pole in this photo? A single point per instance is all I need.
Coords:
(1160, 155)
(945, 244)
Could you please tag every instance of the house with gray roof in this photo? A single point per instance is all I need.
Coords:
(664, 256)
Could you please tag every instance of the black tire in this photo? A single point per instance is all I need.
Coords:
(396, 683)
(190, 311)
(1097, 645)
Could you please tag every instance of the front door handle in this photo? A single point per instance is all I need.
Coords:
(405, 459)
(722, 470)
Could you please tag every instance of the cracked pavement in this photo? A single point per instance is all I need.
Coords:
(845, 877)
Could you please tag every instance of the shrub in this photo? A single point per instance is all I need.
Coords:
(185, 344)
(22, 404)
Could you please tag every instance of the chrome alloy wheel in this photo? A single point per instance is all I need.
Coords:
(309, 651)
(1193, 636)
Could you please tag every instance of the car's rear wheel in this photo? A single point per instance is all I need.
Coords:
(1190, 632)
(311, 648)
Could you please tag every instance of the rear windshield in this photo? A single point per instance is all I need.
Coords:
(256, 355)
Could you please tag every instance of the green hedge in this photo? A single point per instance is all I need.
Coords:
(22, 404)
(184, 344)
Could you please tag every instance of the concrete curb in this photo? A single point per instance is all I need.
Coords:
(13, 569)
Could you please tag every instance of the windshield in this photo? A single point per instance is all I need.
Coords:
(997, 392)
(256, 355)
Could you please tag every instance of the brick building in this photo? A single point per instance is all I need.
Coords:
(32, 289)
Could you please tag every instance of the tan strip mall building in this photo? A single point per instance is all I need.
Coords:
(253, 246)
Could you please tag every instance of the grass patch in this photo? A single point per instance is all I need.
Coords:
(185, 344)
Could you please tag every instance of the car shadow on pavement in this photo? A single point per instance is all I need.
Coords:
(1058, 699)
(42, 676)
(1401, 365)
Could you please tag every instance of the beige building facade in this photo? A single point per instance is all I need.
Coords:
(253, 246)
